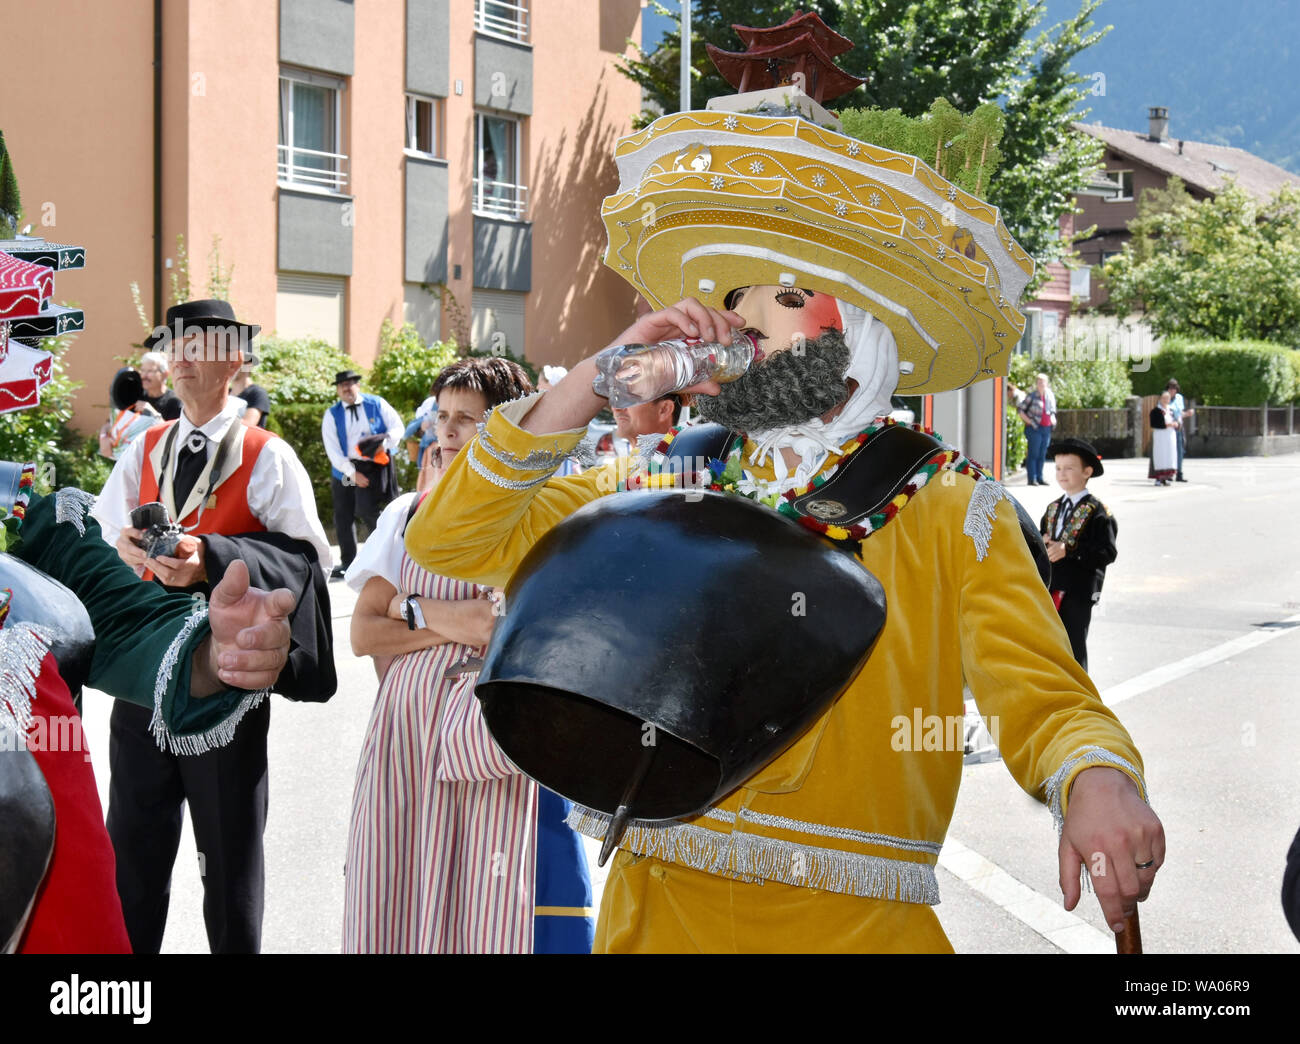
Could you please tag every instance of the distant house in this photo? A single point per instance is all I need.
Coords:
(1134, 161)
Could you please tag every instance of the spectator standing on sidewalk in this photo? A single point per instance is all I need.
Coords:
(1164, 442)
(1178, 410)
(1038, 411)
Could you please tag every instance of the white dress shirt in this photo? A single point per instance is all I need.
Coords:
(358, 427)
(279, 492)
(1074, 498)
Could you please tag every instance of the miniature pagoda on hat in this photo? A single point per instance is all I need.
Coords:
(801, 51)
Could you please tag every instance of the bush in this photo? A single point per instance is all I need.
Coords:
(1017, 444)
(299, 425)
(1077, 382)
(406, 366)
(1224, 373)
(300, 371)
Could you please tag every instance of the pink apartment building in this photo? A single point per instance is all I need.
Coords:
(359, 162)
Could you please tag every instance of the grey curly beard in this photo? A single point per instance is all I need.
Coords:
(784, 389)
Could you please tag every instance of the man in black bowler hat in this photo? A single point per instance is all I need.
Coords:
(237, 492)
(1080, 536)
(360, 433)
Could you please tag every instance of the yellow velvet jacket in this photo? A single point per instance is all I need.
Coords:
(861, 803)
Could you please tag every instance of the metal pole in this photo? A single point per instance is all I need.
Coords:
(684, 98)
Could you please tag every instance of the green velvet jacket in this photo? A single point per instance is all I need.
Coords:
(145, 636)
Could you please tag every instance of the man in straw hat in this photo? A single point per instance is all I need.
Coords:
(859, 272)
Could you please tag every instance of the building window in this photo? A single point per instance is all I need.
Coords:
(497, 18)
(311, 307)
(1081, 281)
(424, 126)
(1124, 180)
(311, 123)
(497, 188)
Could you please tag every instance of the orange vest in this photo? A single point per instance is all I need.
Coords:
(230, 514)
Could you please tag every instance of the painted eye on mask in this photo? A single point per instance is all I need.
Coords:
(790, 299)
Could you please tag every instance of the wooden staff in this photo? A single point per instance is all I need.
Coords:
(1130, 939)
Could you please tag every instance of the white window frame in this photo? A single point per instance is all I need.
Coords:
(1118, 177)
(494, 25)
(512, 209)
(412, 148)
(296, 176)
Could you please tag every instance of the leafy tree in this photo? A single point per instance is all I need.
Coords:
(298, 371)
(11, 207)
(1224, 268)
(405, 367)
(911, 52)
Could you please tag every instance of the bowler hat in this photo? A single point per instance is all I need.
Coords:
(127, 388)
(1083, 450)
(209, 314)
(343, 376)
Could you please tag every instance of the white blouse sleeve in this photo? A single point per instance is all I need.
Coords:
(381, 554)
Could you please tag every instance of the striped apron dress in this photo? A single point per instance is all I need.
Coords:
(442, 840)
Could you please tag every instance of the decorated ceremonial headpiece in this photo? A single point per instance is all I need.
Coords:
(736, 196)
(28, 315)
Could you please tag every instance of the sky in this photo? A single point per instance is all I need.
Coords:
(1224, 68)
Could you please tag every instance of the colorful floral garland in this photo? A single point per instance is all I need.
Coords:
(18, 511)
(728, 477)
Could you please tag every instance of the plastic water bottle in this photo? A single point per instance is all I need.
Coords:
(631, 374)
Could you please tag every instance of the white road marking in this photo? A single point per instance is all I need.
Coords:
(1159, 676)
(1040, 913)
(1049, 919)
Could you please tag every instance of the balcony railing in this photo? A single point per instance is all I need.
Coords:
(500, 199)
(496, 18)
(311, 168)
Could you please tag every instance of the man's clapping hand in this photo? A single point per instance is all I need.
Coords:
(249, 644)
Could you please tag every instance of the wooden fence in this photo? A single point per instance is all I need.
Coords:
(1126, 431)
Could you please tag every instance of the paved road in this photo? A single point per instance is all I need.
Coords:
(1203, 567)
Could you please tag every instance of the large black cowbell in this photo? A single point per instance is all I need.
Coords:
(657, 649)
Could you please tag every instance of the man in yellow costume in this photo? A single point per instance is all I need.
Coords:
(836, 257)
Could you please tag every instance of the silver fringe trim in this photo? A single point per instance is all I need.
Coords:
(1052, 792)
(22, 649)
(198, 742)
(73, 505)
(646, 446)
(756, 859)
(585, 452)
(480, 469)
(537, 460)
(980, 513)
(802, 826)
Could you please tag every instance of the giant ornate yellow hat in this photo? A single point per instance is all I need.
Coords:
(712, 200)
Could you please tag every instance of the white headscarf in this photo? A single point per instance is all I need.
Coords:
(873, 363)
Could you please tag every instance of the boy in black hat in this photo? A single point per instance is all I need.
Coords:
(1080, 535)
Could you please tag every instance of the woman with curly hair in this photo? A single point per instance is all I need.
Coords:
(442, 843)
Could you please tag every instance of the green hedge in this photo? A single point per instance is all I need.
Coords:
(297, 372)
(1017, 444)
(1224, 373)
(406, 367)
(1091, 384)
(299, 425)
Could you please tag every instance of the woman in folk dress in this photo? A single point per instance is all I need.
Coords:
(1164, 442)
(442, 839)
